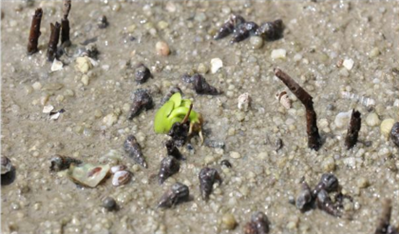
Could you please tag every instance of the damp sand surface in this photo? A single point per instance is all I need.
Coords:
(321, 40)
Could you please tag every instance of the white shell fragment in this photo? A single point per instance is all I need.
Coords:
(284, 99)
(121, 177)
(342, 119)
(244, 102)
(47, 109)
(55, 116)
(117, 168)
(348, 64)
(361, 99)
(216, 64)
(56, 66)
(88, 174)
(279, 54)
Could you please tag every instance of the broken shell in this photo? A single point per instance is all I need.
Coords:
(121, 177)
(244, 102)
(6, 165)
(284, 99)
(88, 174)
(115, 169)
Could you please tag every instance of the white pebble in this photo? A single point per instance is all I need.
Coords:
(216, 64)
(57, 65)
(279, 54)
(37, 86)
(348, 64)
(386, 127)
(244, 102)
(162, 48)
(372, 120)
(48, 109)
(83, 64)
(110, 119)
(85, 80)
(235, 155)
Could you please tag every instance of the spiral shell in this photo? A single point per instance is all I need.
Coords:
(284, 99)
(121, 177)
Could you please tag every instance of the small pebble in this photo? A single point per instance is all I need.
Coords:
(329, 164)
(83, 64)
(37, 86)
(228, 221)
(235, 155)
(374, 52)
(162, 48)
(85, 79)
(48, 109)
(348, 64)
(256, 42)
(362, 183)
(216, 64)
(279, 54)
(372, 119)
(386, 127)
(202, 68)
(110, 119)
(109, 204)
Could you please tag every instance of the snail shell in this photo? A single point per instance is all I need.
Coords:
(284, 99)
(121, 177)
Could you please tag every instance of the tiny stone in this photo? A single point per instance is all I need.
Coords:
(372, 119)
(362, 183)
(386, 127)
(48, 109)
(256, 42)
(235, 155)
(60, 98)
(98, 113)
(279, 54)
(109, 204)
(83, 64)
(329, 164)
(162, 48)
(228, 222)
(37, 86)
(374, 52)
(131, 28)
(110, 119)
(395, 134)
(202, 68)
(85, 80)
(216, 64)
(348, 64)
